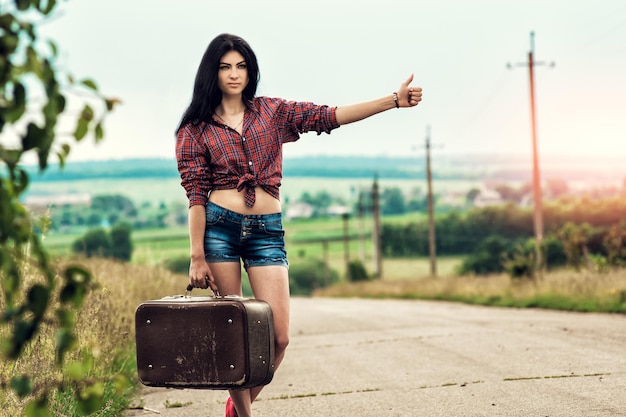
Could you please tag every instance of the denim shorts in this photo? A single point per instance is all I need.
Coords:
(256, 239)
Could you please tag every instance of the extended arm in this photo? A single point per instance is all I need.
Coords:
(407, 96)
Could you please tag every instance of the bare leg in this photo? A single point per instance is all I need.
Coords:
(270, 284)
(227, 277)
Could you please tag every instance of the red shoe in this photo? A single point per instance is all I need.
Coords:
(230, 408)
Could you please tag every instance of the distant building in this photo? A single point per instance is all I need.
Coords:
(37, 202)
(337, 210)
(488, 197)
(298, 211)
(452, 199)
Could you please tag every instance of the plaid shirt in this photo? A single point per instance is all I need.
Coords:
(212, 156)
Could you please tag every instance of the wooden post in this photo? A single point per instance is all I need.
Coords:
(377, 229)
(346, 244)
(432, 242)
(537, 195)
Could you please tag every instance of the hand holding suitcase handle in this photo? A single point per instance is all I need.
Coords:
(211, 285)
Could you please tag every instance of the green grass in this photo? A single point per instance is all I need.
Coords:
(402, 277)
(116, 399)
(565, 289)
(304, 239)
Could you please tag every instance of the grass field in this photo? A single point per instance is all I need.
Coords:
(304, 239)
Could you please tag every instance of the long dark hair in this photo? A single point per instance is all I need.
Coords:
(206, 93)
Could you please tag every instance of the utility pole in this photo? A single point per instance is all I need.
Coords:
(378, 256)
(537, 194)
(346, 245)
(361, 215)
(432, 243)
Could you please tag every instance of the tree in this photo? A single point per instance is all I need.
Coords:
(33, 96)
(615, 243)
(320, 201)
(116, 244)
(488, 257)
(472, 195)
(575, 240)
(95, 242)
(121, 243)
(393, 201)
(306, 275)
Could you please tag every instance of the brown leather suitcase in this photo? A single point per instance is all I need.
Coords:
(206, 342)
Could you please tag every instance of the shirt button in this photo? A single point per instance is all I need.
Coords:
(244, 233)
(243, 139)
(250, 163)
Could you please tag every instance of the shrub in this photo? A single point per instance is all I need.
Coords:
(306, 275)
(357, 271)
(178, 265)
(614, 243)
(554, 252)
(121, 243)
(575, 239)
(116, 244)
(95, 242)
(487, 259)
(520, 264)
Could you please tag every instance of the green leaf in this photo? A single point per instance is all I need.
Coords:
(99, 132)
(66, 149)
(11, 157)
(76, 287)
(22, 385)
(75, 370)
(22, 4)
(18, 105)
(87, 113)
(6, 21)
(22, 333)
(8, 43)
(90, 399)
(53, 48)
(89, 83)
(63, 154)
(121, 383)
(65, 340)
(38, 298)
(33, 62)
(61, 158)
(49, 6)
(43, 158)
(66, 318)
(35, 137)
(10, 281)
(21, 181)
(37, 408)
(60, 102)
(82, 127)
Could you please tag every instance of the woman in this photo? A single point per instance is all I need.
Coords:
(229, 153)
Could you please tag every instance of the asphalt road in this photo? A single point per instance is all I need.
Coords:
(353, 357)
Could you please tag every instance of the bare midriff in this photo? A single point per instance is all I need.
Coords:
(234, 200)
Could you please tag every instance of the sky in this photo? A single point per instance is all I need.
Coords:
(335, 52)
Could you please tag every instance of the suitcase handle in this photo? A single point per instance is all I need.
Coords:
(216, 292)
